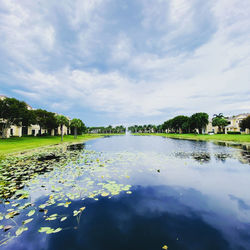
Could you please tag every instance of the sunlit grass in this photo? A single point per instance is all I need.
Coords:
(19, 144)
(217, 137)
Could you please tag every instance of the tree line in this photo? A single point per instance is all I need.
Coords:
(186, 124)
(15, 112)
(178, 124)
(146, 129)
(107, 130)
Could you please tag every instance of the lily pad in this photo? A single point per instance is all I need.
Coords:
(64, 218)
(20, 230)
(31, 212)
(27, 221)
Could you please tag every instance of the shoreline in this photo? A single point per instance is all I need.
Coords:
(26, 145)
(213, 138)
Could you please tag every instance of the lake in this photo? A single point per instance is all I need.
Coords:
(130, 192)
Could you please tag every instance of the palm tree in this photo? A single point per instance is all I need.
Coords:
(75, 123)
(62, 120)
(220, 115)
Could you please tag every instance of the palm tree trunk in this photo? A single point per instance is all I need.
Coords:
(4, 133)
(75, 132)
(61, 132)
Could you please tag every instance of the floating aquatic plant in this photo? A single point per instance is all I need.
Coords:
(62, 177)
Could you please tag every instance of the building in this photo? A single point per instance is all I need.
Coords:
(235, 121)
(233, 126)
(34, 129)
(210, 128)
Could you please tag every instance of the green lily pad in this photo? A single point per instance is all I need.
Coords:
(20, 230)
(31, 212)
(27, 221)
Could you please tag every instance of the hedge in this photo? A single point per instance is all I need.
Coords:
(234, 132)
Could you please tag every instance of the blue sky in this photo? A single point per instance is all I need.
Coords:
(127, 61)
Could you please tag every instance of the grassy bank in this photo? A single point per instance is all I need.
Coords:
(19, 144)
(217, 137)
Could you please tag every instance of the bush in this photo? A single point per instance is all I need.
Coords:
(234, 133)
(44, 134)
(219, 133)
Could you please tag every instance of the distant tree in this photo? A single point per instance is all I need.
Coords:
(199, 121)
(78, 126)
(168, 125)
(135, 128)
(245, 123)
(178, 121)
(119, 129)
(185, 127)
(220, 121)
(154, 129)
(132, 129)
(159, 129)
(29, 118)
(45, 119)
(62, 120)
(140, 129)
(13, 112)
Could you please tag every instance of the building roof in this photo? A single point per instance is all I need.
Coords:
(2, 97)
(243, 115)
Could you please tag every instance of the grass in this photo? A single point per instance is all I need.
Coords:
(216, 137)
(20, 144)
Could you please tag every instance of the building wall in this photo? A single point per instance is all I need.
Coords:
(33, 129)
(234, 125)
(65, 130)
(211, 129)
(14, 131)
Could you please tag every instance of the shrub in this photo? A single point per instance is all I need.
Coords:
(44, 134)
(234, 132)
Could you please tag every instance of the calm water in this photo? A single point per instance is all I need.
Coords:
(183, 194)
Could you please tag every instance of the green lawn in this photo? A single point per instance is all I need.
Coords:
(19, 144)
(217, 137)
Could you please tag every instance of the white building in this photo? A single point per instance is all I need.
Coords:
(34, 130)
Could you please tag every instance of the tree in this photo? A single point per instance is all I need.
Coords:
(29, 118)
(185, 127)
(220, 115)
(159, 129)
(199, 121)
(45, 119)
(245, 123)
(13, 112)
(109, 129)
(178, 121)
(168, 125)
(62, 120)
(220, 121)
(78, 126)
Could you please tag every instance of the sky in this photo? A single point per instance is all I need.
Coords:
(127, 61)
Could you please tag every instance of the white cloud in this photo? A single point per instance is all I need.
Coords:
(180, 11)
(25, 33)
(138, 71)
(121, 50)
(81, 12)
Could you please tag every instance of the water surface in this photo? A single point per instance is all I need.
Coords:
(140, 192)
